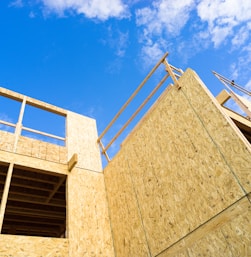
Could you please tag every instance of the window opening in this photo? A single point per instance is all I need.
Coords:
(50, 124)
(36, 204)
(9, 113)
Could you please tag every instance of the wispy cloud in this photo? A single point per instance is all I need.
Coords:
(116, 40)
(17, 4)
(5, 117)
(159, 22)
(210, 23)
(223, 17)
(97, 9)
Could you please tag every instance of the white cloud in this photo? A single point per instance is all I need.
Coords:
(241, 36)
(241, 68)
(117, 40)
(151, 53)
(163, 19)
(98, 9)
(164, 15)
(122, 43)
(223, 17)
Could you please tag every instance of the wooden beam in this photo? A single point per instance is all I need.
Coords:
(72, 162)
(235, 116)
(223, 97)
(5, 194)
(61, 181)
(33, 102)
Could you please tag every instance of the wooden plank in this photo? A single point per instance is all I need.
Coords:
(5, 195)
(55, 190)
(235, 116)
(223, 97)
(33, 102)
(72, 162)
(34, 163)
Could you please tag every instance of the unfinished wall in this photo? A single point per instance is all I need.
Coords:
(82, 139)
(20, 246)
(88, 222)
(183, 165)
(88, 227)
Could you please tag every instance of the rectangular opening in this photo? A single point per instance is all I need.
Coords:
(36, 204)
(44, 121)
(9, 112)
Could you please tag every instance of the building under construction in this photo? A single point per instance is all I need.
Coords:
(180, 184)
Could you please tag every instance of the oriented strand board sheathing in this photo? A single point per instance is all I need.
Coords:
(42, 150)
(33, 162)
(6, 141)
(88, 226)
(179, 176)
(232, 144)
(128, 233)
(213, 238)
(82, 140)
(24, 246)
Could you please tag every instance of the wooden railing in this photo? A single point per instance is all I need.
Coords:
(35, 103)
(171, 71)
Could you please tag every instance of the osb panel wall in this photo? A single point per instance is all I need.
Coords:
(34, 148)
(22, 246)
(88, 229)
(127, 228)
(228, 234)
(6, 141)
(42, 150)
(82, 139)
(175, 171)
(226, 136)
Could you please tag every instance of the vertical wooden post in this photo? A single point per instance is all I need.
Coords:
(11, 166)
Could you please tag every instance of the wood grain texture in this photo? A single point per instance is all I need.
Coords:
(6, 141)
(223, 235)
(24, 246)
(82, 140)
(177, 174)
(128, 233)
(89, 230)
(226, 136)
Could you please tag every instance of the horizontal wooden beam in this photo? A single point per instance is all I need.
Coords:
(33, 102)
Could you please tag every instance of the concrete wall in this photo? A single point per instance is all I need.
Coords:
(177, 175)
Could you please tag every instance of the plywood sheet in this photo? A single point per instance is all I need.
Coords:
(226, 136)
(82, 140)
(42, 150)
(178, 174)
(127, 228)
(6, 141)
(89, 228)
(209, 238)
(232, 239)
(20, 246)
(33, 162)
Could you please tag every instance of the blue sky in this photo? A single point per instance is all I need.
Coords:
(88, 56)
